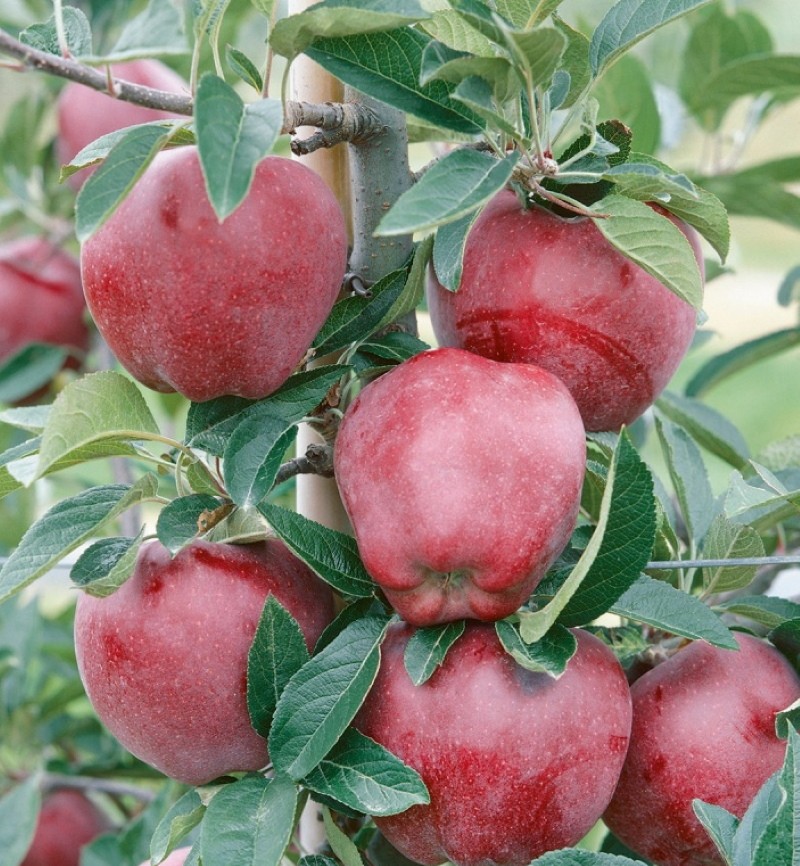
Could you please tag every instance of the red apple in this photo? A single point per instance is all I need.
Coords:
(462, 479)
(190, 304)
(176, 858)
(164, 658)
(703, 727)
(41, 298)
(68, 821)
(554, 292)
(85, 114)
(517, 763)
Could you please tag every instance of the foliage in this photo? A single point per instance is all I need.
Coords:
(507, 94)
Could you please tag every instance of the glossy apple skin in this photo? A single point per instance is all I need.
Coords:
(553, 292)
(41, 297)
(68, 821)
(703, 727)
(517, 763)
(207, 309)
(85, 114)
(164, 658)
(462, 480)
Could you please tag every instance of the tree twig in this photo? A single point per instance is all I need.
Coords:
(353, 122)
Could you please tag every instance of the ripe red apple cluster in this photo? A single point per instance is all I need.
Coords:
(68, 821)
(461, 472)
(41, 298)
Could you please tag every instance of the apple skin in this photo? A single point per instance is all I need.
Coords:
(462, 479)
(703, 727)
(207, 309)
(68, 820)
(554, 292)
(517, 763)
(176, 858)
(41, 297)
(164, 658)
(85, 114)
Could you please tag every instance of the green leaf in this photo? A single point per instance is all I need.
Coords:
(103, 192)
(244, 67)
(387, 67)
(769, 611)
(625, 92)
(249, 822)
(720, 825)
(65, 527)
(450, 28)
(457, 184)
(448, 250)
(331, 554)
(627, 543)
(698, 207)
(651, 241)
(759, 506)
(355, 318)
(749, 76)
(576, 857)
(341, 844)
(628, 22)
(323, 697)
(365, 776)
(77, 29)
(727, 364)
(427, 648)
(479, 96)
(158, 30)
(764, 806)
(99, 407)
(29, 369)
(527, 13)
(177, 130)
(716, 39)
(658, 604)
(689, 477)
(182, 817)
(209, 425)
(444, 63)
(780, 840)
(104, 566)
(278, 651)
(241, 526)
(333, 18)
(396, 346)
(746, 195)
(232, 139)
(254, 454)
(549, 655)
(575, 63)
(19, 811)
(539, 52)
(707, 427)
(624, 462)
(177, 522)
(728, 540)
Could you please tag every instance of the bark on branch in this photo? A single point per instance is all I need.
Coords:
(336, 122)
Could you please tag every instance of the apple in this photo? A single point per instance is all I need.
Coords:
(516, 763)
(85, 114)
(41, 298)
(164, 658)
(176, 858)
(67, 821)
(462, 479)
(703, 727)
(552, 291)
(207, 309)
